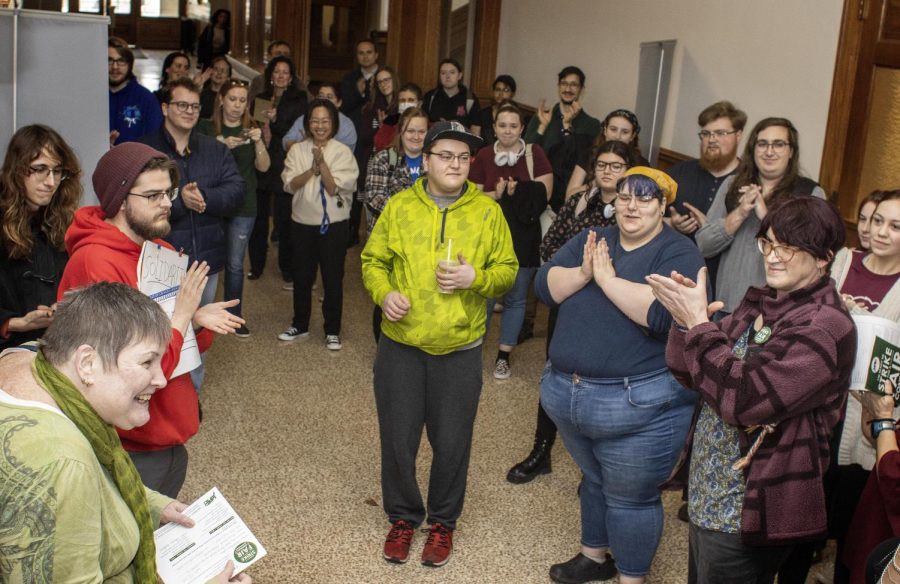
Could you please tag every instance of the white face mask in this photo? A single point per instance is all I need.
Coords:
(403, 106)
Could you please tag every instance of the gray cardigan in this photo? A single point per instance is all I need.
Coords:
(741, 265)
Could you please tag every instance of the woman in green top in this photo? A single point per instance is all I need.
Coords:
(72, 505)
(231, 125)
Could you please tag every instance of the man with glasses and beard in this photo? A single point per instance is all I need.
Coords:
(211, 187)
(721, 128)
(562, 130)
(135, 185)
(133, 109)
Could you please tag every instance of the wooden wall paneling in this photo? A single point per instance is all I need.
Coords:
(413, 46)
(669, 158)
(158, 33)
(239, 30)
(484, 52)
(291, 22)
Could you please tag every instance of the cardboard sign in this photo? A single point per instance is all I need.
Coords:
(884, 366)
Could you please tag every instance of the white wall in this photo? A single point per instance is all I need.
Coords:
(770, 57)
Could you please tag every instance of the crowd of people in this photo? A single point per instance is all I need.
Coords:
(700, 330)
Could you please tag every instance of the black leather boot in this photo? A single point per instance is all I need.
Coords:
(537, 463)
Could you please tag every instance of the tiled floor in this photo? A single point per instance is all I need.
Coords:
(290, 437)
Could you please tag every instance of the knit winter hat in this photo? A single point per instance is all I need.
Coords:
(116, 172)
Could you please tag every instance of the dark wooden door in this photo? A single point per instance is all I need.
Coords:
(862, 150)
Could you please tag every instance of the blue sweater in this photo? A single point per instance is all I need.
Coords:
(592, 336)
(133, 111)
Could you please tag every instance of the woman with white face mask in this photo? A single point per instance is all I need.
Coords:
(520, 178)
(409, 96)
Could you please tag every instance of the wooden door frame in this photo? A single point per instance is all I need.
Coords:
(851, 91)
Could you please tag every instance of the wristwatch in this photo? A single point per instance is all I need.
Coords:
(876, 426)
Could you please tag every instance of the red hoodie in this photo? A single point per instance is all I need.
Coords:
(100, 252)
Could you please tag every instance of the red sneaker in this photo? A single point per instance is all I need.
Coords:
(438, 546)
(399, 538)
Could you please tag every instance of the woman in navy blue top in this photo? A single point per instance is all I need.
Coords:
(621, 414)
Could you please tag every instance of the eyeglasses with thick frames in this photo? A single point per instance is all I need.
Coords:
(43, 172)
(117, 62)
(639, 200)
(707, 134)
(157, 196)
(777, 146)
(613, 166)
(784, 253)
(184, 106)
(449, 157)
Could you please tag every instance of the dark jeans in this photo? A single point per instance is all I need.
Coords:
(546, 429)
(259, 237)
(377, 315)
(414, 389)
(326, 252)
(356, 213)
(286, 251)
(162, 470)
(716, 557)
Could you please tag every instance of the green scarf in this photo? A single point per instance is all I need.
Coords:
(108, 449)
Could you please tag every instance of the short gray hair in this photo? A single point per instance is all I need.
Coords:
(108, 316)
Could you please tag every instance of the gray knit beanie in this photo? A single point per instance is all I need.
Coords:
(116, 172)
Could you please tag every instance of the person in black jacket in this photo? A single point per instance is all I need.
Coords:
(215, 39)
(288, 103)
(450, 100)
(39, 190)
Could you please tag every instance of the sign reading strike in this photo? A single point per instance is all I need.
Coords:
(159, 272)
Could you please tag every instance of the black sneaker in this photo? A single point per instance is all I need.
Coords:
(583, 569)
(292, 334)
(254, 275)
(242, 332)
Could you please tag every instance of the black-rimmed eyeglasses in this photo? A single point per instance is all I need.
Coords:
(157, 196)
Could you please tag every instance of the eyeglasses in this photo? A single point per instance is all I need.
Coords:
(157, 196)
(784, 253)
(706, 134)
(412, 132)
(613, 166)
(183, 106)
(639, 200)
(503, 90)
(777, 146)
(43, 172)
(117, 62)
(569, 85)
(449, 157)
(384, 80)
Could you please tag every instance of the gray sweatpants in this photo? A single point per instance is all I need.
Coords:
(440, 392)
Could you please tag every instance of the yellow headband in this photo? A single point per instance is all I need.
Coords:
(666, 183)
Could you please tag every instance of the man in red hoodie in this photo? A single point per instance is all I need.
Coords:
(134, 184)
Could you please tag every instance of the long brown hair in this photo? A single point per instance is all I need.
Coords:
(25, 146)
(218, 118)
(376, 91)
(402, 124)
(747, 172)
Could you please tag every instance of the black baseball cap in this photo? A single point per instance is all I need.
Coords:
(452, 131)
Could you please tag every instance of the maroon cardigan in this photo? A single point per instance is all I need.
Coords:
(797, 380)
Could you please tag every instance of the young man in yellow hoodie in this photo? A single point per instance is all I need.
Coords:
(437, 252)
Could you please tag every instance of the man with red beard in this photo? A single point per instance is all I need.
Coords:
(135, 186)
(721, 128)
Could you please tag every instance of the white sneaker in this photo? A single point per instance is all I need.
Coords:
(287, 286)
(501, 369)
(333, 342)
(292, 334)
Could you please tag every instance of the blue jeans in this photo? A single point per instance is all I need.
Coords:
(207, 297)
(513, 307)
(626, 435)
(237, 235)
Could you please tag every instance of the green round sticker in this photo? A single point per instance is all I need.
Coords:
(245, 552)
